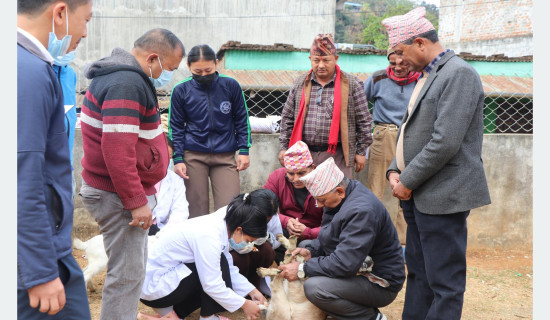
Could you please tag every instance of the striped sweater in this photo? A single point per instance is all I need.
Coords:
(125, 149)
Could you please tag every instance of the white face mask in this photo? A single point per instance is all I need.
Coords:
(58, 48)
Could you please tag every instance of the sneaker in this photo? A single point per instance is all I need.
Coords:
(380, 316)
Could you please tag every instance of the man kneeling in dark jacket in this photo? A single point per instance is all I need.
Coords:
(355, 225)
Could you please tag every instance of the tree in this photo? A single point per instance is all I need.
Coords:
(375, 11)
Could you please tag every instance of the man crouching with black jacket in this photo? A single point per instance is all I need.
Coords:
(355, 225)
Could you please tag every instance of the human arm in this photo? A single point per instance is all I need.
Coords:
(287, 122)
(242, 125)
(357, 229)
(363, 123)
(453, 107)
(207, 256)
(176, 127)
(123, 108)
(34, 218)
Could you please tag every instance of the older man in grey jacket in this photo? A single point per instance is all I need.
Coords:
(438, 173)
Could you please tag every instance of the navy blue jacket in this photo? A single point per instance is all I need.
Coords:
(211, 119)
(44, 193)
(359, 227)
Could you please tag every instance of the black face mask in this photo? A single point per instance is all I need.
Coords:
(204, 80)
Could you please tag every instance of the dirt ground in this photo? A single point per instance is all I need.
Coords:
(499, 286)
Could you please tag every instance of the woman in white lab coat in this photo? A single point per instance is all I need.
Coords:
(190, 267)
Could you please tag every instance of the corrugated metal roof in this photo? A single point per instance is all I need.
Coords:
(236, 45)
(282, 80)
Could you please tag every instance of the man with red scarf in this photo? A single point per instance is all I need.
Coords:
(328, 110)
(390, 90)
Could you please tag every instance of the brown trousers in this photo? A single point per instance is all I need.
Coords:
(320, 156)
(381, 154)
(221, 168)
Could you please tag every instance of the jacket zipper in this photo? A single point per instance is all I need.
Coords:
(210, 108)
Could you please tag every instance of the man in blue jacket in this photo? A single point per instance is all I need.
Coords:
(67, 79)
(48, 278)
(355, 225)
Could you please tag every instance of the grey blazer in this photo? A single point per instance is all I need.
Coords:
(442, 141)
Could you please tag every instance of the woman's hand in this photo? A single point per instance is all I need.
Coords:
(251, 310)
(257, 296)
(243, 162)
(181, 170)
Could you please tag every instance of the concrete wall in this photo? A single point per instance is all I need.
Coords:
(487, 27)
(507, 222)
(214, 22)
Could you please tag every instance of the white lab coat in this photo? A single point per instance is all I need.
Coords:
(200, 240)
(172, 203)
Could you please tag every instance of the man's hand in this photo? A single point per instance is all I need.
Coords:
(170, 151)
(50, 296)
(303, 252)
(401, 192)
(243, 162)
(393, 178)
(295, 227)
(141, 214)
(289, 271)
(257, 296)
(251, 309)
(181, 170)
(360, 162)
(281, 157)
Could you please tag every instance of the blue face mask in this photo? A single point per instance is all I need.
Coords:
(58, 48)
(163, 79)
(64, 60)
(242, 247)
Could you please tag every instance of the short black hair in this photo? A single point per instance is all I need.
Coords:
(35, 7)
(201, 52)
(251, 211)
(162, 40)
(430, 35)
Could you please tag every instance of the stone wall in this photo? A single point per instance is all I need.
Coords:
(487, 27)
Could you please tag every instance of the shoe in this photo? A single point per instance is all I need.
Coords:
(145, 316)
(380, 316)
(171, 316)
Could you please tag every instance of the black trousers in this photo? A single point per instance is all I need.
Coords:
(189, 295)
(436, 264)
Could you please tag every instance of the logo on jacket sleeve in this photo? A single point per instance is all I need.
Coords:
(225, 107)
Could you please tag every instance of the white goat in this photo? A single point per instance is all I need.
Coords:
(97, 257)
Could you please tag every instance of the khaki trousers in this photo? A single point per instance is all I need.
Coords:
(221, 168)
(381, 154)
(320, 156)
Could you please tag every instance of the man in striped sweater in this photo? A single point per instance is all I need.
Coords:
(125, 155)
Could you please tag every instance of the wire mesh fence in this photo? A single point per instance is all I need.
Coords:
(511, 113)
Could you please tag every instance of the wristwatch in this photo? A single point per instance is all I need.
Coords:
(301, 272)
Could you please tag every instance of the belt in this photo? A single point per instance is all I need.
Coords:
(322, 148)
(387, 125)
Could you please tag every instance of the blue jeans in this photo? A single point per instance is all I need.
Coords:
(436, 264)
(76, 307)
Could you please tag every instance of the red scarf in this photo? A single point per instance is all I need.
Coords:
(335, 124)
(411, 76)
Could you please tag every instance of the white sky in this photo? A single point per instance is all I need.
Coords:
(436, 2)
